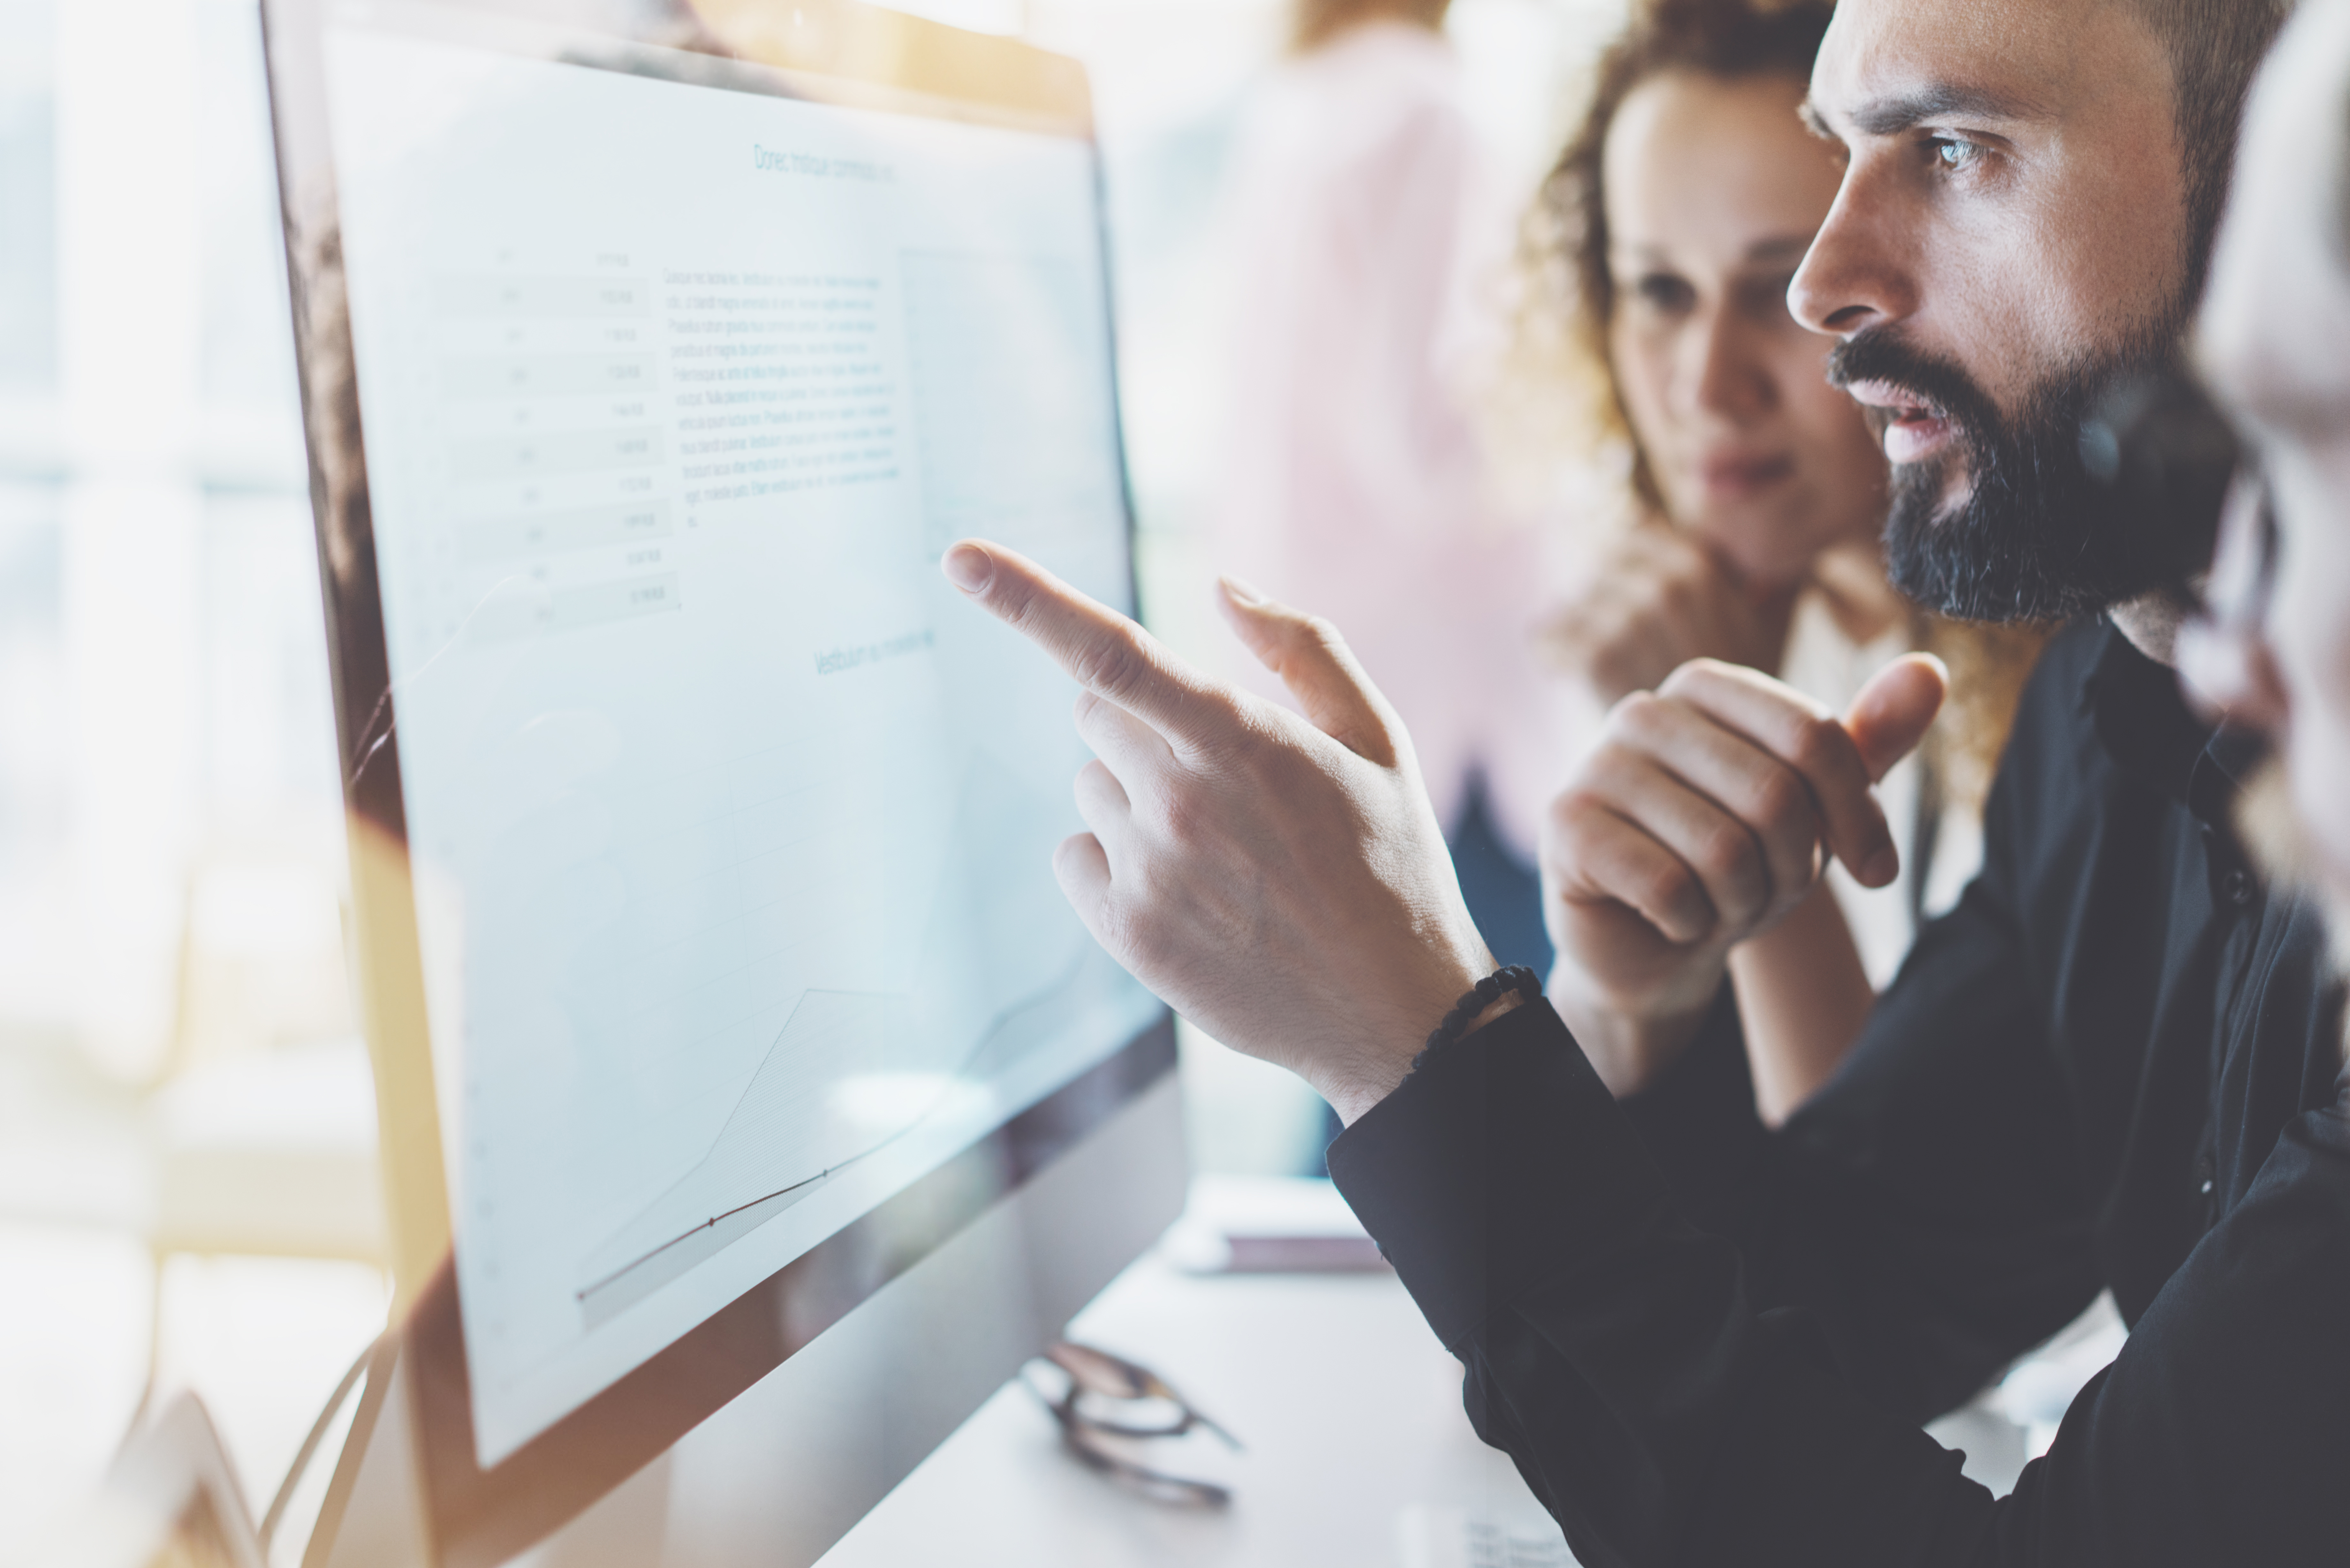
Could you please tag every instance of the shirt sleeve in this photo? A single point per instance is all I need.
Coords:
(1925, 1208)
(1621, 1356)
(1611, 1347)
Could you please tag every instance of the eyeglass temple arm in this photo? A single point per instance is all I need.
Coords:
(1140, 1380)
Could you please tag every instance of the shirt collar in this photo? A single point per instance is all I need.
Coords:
(2149, 731)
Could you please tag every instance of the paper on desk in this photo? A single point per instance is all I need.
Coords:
(1258, 1224)
(1430, 1537)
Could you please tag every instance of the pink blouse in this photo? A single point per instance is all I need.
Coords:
(1369, 242)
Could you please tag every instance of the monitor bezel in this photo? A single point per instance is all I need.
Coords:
(836, 51)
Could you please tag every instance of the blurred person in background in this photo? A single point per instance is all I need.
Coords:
(2271, 651)
(1657, 260)
(1366, 224)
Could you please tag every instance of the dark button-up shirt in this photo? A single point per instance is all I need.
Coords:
(2117, 1063)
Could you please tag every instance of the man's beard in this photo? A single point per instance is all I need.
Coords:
(2035, 538)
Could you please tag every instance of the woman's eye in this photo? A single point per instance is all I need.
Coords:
(1662, 291)
(1764, 299)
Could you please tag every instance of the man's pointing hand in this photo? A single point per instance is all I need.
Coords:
(1282, 883)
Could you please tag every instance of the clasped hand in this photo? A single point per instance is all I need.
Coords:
(1704, 817)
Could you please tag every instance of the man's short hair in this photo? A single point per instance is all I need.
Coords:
(2215, 48)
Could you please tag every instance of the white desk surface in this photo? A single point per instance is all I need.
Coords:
(1349, 1408)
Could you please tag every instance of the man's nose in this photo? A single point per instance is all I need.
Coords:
(1854, 276)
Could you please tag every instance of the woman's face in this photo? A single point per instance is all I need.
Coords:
(1714, 191)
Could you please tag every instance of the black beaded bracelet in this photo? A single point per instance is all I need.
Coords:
(1517, 978)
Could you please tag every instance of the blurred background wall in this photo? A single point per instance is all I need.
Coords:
(174, 1014)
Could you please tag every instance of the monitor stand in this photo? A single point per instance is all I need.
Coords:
(373, 1515)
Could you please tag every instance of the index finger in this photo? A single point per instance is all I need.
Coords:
(1807, 736)
(1105, 652)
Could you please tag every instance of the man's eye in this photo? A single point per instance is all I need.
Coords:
(1954, 154)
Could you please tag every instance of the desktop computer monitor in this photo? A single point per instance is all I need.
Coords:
(736, 1051)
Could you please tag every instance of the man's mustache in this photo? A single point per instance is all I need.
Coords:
(1935, 384)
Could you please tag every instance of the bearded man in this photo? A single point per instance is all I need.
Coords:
(2115, 1065)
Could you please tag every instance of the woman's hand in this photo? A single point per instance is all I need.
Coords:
(1662, 598)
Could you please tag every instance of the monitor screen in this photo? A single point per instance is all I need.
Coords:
(730, 829)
